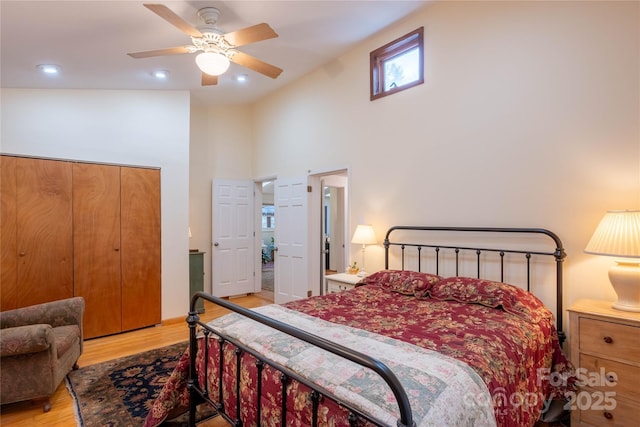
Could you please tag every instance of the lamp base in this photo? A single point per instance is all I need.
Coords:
(625, 279)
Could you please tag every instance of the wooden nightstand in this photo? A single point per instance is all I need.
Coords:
(605, 349)
(341, 282)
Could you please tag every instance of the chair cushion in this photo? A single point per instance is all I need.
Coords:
(66, 336)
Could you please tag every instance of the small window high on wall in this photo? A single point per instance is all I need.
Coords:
(398, 65)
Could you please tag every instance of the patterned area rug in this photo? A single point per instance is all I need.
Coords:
(267, 276)
(120, 392)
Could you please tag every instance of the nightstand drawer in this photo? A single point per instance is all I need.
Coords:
(626, 376)
(341, 282)
(333, 287)
(610, 339)
(625, 413)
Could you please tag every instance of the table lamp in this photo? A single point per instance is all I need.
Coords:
(618, 236)
(364, 235)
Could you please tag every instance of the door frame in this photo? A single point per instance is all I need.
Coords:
(337, 218)
(257, 227)
(315, 232)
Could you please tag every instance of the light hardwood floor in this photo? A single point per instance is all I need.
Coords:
(29, 414)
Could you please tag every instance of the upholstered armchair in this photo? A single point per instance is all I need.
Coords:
(39, 345)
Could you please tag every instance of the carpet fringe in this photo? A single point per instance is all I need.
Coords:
(76, 409)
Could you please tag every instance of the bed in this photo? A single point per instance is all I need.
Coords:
(440, 337)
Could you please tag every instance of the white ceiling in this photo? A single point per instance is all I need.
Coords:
(90, 39)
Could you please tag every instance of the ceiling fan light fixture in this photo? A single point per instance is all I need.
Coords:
(212, 63)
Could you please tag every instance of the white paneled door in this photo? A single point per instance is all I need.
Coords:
(291, 256)
(232, 254)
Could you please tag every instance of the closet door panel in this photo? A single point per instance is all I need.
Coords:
(96, 238)
(140, 234)
(8, 234)
(44, 230)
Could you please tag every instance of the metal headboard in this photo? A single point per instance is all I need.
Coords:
(558, 254)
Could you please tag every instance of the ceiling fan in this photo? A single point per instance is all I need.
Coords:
(216, 48)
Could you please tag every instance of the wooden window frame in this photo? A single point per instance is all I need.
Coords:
(378, 58)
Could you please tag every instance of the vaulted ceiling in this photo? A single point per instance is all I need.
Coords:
(90, 40)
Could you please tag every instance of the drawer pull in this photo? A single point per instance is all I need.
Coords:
(608, 415)
(608, 339)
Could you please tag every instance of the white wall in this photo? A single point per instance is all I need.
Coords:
(143, 128)
(220, 148)
(529, 116)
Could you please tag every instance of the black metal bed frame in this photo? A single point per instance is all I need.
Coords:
(198, 395)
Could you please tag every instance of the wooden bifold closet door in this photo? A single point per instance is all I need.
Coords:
(141, 255)
(36, 239)
(82, 229)
(117, 246)
(96, 240)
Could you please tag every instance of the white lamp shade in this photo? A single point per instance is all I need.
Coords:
(212, 63)
(364, 235)
(617, 235)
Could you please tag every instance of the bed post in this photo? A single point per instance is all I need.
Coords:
(192, 320)
(386, 252)
(559, 255)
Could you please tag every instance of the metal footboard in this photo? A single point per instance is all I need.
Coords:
(197, 394)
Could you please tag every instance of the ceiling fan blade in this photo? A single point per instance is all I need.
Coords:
(209, 80)
(251, 34)
(161, 52)
(168, 15)
(256, 65)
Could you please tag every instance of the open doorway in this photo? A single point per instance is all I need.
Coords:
(304, 255)
(267, 239)
(333, 225)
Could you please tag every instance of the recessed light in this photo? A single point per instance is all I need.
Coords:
(50, 69)
(160, 74)
(242, 78)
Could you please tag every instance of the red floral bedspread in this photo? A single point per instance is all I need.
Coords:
(514, 354)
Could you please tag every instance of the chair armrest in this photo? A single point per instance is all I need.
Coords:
(56, 313)
(25, 339)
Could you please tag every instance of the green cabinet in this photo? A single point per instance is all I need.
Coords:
(196, 277)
